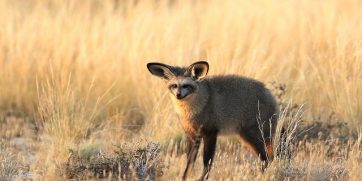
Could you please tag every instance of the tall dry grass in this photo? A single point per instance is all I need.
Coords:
(78, 67)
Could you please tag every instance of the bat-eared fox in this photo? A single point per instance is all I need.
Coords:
(209, 106)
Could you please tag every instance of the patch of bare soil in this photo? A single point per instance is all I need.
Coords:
(18, 137)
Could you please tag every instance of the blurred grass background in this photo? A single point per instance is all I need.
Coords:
(78, 68)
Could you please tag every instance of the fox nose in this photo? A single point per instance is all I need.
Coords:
(178, 96)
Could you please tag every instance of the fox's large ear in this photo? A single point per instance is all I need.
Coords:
(160, 70)
(199, 70)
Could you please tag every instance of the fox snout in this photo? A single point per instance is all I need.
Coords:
(181, 92)
(179, 96)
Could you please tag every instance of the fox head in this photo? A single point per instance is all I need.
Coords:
(182, 82)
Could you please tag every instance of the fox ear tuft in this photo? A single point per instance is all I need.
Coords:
(199, 70)
(160, 70)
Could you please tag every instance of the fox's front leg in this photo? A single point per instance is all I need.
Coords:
(192, 148)
(210, 139)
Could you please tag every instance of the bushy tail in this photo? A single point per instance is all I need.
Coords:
(284, 151)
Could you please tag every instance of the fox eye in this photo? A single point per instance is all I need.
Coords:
(172, 86)
(187, 86)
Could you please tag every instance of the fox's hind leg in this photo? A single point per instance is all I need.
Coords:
(261, 146)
